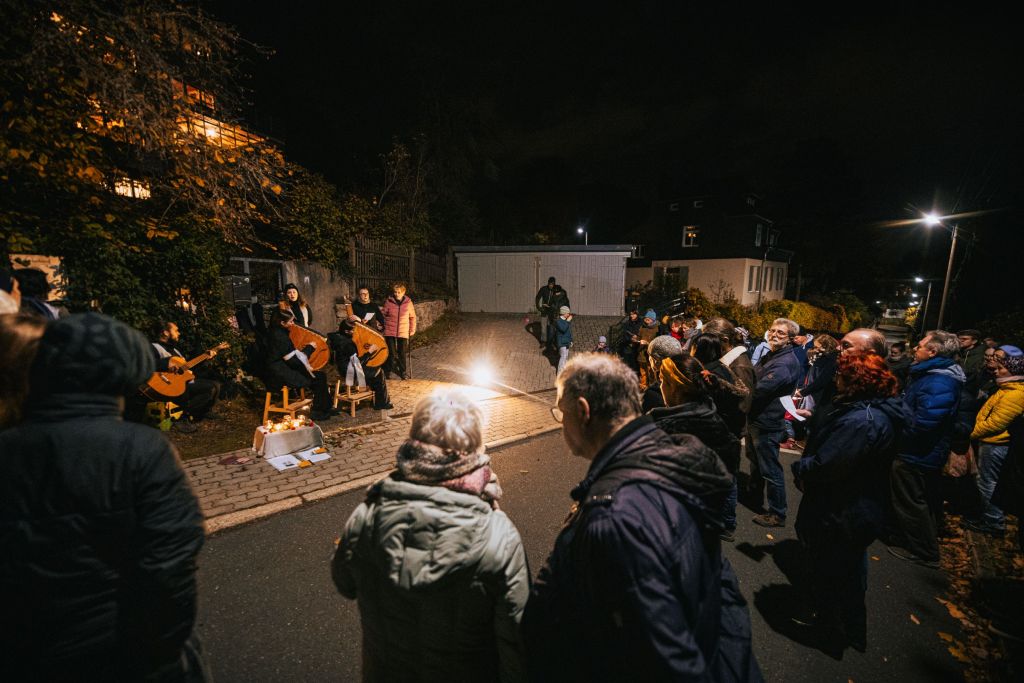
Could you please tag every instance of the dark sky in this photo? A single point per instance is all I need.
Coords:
(571, 111)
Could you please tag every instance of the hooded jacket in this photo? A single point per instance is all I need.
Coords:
(636, 588)
(441, 580)
(701, 419)
(99, 529)
(930, 405)
(844, 471)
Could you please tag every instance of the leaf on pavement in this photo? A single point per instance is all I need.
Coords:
(946, 637)
(770, 537)
(953, 610)
(915, 620)
(959, 653)
(876, 558)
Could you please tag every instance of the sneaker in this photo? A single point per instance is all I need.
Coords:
(907, 556)
(769, 519)
(982, 527)
(727, 535)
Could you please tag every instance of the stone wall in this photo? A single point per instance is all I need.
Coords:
(427, 312)
(322, 289)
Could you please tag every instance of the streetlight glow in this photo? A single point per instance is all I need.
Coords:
(579, 230)
(918, 279)
(931, 219)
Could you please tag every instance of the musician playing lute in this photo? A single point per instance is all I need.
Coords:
(354, 363)
(200, 394)
(289, 367)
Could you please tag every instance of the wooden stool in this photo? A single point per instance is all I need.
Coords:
(352, 398)
(286, 407)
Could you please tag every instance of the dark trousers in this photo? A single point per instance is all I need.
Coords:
(398, 349)
(199, 397)
(839, 582)
(917, 506)
(375, 380)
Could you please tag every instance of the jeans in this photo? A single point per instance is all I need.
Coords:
(563, 358)
(990, 464)
(766, 444)
(917, 504)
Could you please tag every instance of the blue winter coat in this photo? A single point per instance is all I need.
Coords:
(564, 332)
(636, 587)
(844, 471)
(930, 405)
(777, 376)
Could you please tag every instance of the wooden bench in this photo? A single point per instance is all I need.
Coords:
(352, 396)
(287, 407)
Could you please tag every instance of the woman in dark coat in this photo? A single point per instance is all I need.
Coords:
(297, 305)
(689, 409)
(727, 391)
(99, 528)
(285, 368)
(844, 476)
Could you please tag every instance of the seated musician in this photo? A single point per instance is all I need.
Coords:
(200, 394)
(287, 366)
(368, 312)
(352, 364)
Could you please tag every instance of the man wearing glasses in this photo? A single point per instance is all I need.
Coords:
(777, 375)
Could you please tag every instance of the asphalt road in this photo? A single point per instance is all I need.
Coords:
(269, 612)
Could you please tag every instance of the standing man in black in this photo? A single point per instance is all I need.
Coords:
(200, 394)
(548, 313)
(368, 312)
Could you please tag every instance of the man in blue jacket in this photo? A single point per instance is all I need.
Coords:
(777, 375)
(636, 587)
(930, 405)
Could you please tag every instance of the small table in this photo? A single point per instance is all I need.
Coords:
(271, 444)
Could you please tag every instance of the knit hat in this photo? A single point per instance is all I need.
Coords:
(564, 310)
(664, 347)
(650, 314)
(90, 353)
(1011, 351)
(602, 339)
(424, 463)
(1013, 364)
(290, 285)
(676, 386)
(551, 280)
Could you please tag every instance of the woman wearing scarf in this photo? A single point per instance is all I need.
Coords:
(438, 570)
(297, 305)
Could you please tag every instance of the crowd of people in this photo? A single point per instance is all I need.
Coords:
(100, 529)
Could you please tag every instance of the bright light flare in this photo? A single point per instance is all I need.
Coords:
(481, 375)
(579, 230)
(931, 219)
(918, 279)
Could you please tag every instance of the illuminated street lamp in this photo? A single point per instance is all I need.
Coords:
(932, 219)
(583, 231)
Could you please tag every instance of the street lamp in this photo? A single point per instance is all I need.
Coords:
(582, 231)
(932, 219)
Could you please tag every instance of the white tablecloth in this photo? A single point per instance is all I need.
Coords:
(271, 444)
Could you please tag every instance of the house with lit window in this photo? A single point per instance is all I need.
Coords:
(719, 244)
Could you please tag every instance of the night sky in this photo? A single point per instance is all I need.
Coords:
(557, 113)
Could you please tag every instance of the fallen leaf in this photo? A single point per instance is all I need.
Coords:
(946, 637)
(953, 610)
(770, 537)
(959, 654)
(876, 558)
(915, 620)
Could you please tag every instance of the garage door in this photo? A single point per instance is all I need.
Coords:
(476, 283)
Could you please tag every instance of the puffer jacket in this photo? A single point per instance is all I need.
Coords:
(930, 407)
(844, 471)
(399, 317)
(99, 528)
(441, 580)
(777, 375)
(1001, 409)
(637, 588)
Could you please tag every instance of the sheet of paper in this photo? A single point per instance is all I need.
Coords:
(283, 462)
(787, 403)
(310, 455)
(368, 317)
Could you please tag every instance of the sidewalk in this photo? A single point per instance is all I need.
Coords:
(363, 450)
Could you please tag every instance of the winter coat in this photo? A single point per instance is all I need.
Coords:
(279, 372)
(820, 375)
(930, 404)
(636, 588)
(303, 314)
(441, 580)
(99, 528)
(1002, 408)
(646, 333)
(777, 375)
(844, 471)
(728, 394)
(564, 332)
(399, 318)
(900, 367)
(704, 422)
(543, 300)
(741, 366)
(558, 299)
(973, 362)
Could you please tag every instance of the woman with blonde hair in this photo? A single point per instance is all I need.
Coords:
(438, 570)
(19, 341)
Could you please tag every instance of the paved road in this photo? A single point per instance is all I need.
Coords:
(268, 610)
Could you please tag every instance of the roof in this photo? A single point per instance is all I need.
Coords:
(493, 249)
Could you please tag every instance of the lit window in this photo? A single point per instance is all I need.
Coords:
(690, 236)
(128, 187)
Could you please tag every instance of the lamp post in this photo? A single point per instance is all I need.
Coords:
(932, 219)
(583, 231)
(927, 301)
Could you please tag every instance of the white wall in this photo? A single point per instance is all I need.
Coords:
(708, 275)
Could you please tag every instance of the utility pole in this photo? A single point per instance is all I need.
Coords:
(949, 274)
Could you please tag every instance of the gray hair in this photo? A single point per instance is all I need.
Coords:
(664, 346)
(449, 418)
(944, 344)
(609, 385)
(791, 326)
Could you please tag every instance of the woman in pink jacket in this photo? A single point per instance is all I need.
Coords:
(399, 327)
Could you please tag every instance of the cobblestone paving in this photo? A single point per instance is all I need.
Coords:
(364, 449)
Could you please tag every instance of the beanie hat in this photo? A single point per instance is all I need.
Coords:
(1013, 364)
(664, 347)
(1011, 351)
(564, 310)
(676, 386)
(651, 314)
(602, 339)
(551, 280)
(90, 353)
(290, 285)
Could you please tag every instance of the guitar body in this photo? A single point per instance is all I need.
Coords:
(169, 383)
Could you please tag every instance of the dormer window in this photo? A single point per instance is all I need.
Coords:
(691, 235)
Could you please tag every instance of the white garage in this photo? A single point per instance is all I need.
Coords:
(506, 279)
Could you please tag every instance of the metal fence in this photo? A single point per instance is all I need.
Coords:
(378, 263)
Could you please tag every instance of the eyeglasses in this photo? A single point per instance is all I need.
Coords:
(557, 414)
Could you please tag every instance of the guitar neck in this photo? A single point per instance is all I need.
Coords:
(204, 356)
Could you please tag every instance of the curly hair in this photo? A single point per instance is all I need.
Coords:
(861, 376)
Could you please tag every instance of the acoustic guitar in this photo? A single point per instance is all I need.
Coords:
(172, 382)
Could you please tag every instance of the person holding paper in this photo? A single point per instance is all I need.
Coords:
(289, 367)
(367, 311)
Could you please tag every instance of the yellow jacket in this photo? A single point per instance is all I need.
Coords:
(998, 412)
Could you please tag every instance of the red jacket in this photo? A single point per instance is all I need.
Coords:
(399, 318)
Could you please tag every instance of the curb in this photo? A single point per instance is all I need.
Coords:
(218, 523)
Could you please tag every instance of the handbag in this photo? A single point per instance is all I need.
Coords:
(960, 464)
